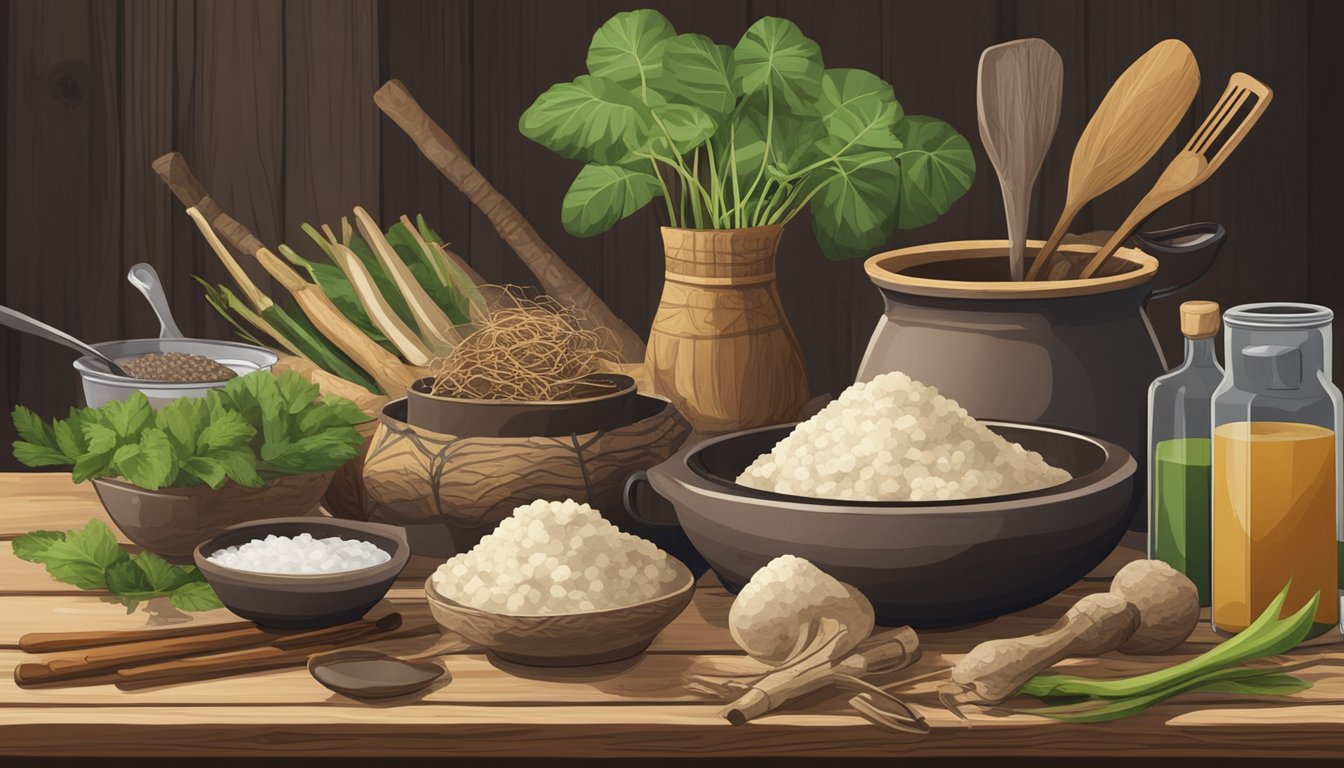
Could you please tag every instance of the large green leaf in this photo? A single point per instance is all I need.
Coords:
(592, 118)
(687, 126)
(601, 195)
(937, 168)
(775, 54)
(695, 71)
(859, 109)
(854, 211)
(628, 49)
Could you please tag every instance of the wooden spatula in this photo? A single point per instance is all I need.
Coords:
(1135, 117)
(1018, 96)
(1213, 142)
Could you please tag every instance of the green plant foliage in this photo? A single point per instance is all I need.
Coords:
(89, 558)
(744, 136)
(256, 427)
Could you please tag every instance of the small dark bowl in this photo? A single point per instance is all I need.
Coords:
(923, 563)
(304, 601)
(170, 522)
(607, 403)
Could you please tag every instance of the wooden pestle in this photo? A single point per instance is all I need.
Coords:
(1150, 608)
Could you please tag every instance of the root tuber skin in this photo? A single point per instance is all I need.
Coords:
(1167, 601)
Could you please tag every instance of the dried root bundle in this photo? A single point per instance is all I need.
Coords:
(525, 349)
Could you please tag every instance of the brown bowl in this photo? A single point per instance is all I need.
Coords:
(304, 601)
(565, 640)
(605, 401)
(170, 522)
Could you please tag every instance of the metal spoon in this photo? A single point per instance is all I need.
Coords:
(21, 322)
(144, 277)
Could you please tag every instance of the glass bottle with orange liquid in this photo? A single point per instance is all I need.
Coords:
(1276, 466)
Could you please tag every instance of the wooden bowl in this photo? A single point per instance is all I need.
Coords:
(170, 522)
(304, 601)
(565, 640)
(605, 401)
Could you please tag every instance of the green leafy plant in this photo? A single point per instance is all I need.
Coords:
(89, 558)
(1217, 670)
(746, 136)
(256, 427)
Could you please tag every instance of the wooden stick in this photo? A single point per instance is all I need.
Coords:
(250, 660)
(173, 170)
(377, 308)
(892, 651)
(254, 294)
(51, 642)
(556, 277)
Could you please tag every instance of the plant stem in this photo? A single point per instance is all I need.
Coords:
(765, 155)
(732, 168)
(695, 209)
(782, 193)
(715, 185)
(667, 194)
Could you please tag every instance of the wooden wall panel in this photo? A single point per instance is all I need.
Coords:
(331, 123)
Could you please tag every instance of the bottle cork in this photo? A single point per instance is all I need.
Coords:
(1200, 319)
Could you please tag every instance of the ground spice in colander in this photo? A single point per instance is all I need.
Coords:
(176, 366)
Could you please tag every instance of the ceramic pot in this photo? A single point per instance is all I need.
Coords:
(720, 347)
(605, 401)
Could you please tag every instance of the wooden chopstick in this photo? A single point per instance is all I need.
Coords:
(154, 651)
(249, 660)
(52, 642)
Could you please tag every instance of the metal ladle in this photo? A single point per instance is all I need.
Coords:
(146, 279)
(21, 322)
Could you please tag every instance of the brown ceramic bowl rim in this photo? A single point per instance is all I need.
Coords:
(885, 270)
(625, 385)
(395, 563)
(182, 490)
(386, 417)
(685, 583)
(1117, 466)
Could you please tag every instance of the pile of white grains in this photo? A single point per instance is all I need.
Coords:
(894, 439)
(552, 557)
(300, 554)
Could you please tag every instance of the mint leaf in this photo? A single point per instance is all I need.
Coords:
(332, 412)
(68, 440)
(91, 465)
(321, 452)
(207, 470)
(124, 578)
(101, 438)
(227, 429)
(161, 575)
(33, 546)
(150, 464)
(297, 392)
(83, 556)
(128, 417)
(196, 596)
(32, 428)
(240, 466)
(32, 455)
(183, 420)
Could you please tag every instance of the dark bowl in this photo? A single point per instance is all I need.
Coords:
(170, 522)
(304, 601)
(608, 402)
(927, 564)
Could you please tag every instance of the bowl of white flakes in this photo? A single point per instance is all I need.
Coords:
(938, 518)
(557, 585)
(303, 572)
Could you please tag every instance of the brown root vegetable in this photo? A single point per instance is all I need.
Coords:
(1168, 605)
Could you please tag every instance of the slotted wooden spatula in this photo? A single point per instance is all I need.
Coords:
(1220, 133)
(1134, 119)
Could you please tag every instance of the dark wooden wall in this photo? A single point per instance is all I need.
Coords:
(270, 102)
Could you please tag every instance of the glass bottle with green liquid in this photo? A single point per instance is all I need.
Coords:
(1180, 451)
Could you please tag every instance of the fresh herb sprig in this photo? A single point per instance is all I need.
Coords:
(256, 427)
(89, 558)
(1217, 670)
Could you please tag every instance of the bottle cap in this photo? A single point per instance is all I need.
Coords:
(1199, 319)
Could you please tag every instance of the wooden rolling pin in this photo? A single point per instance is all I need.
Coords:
(110, 658)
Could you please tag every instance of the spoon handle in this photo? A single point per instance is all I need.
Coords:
(144, 277)
(15, 319)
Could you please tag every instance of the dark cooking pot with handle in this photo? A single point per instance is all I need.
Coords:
(1076, 354)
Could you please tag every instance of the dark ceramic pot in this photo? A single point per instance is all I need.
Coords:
(606, 401)
(1076, 354)
(170, 522)
(927, 564)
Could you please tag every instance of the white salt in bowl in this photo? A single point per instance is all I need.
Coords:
(300, 600)
(568, 639)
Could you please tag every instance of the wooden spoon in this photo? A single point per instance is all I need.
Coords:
(1134, 119)
(1193, 165)
(1018, 95)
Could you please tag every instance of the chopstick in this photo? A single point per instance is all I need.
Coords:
(51, 642)
(198, 668)
(153, 651)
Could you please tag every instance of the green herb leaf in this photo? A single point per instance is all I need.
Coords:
(69, 439)
(83, 556)
(124, 577)
(695, 72)
(775, 54)
(859, 109)
(128, 417)
(33, 429)
(161, 575)
(196, 596)
(92, 465)
(207, 470)
(150, 464)
(331, 449)
(628, 49)
(33, 546)
(852, 213)
(240, 466)
(601, 195)
(183, 421)
(937, 168)
(592, 119)
(31, 455)
(227, 429)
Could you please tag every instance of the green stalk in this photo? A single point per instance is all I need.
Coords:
(732, 168)
(667, 194)
(765, 155)
(715, 186)
(315, 347)
(1266, 636)
(786, 205)
(695, 209)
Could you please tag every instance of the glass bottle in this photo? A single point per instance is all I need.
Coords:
(1180, 451)
(1276, 466)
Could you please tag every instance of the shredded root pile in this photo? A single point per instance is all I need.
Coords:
(524, 349)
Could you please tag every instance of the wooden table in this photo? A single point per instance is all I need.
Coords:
(639, 708)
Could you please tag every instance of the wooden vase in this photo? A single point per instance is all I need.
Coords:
(720, 348)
